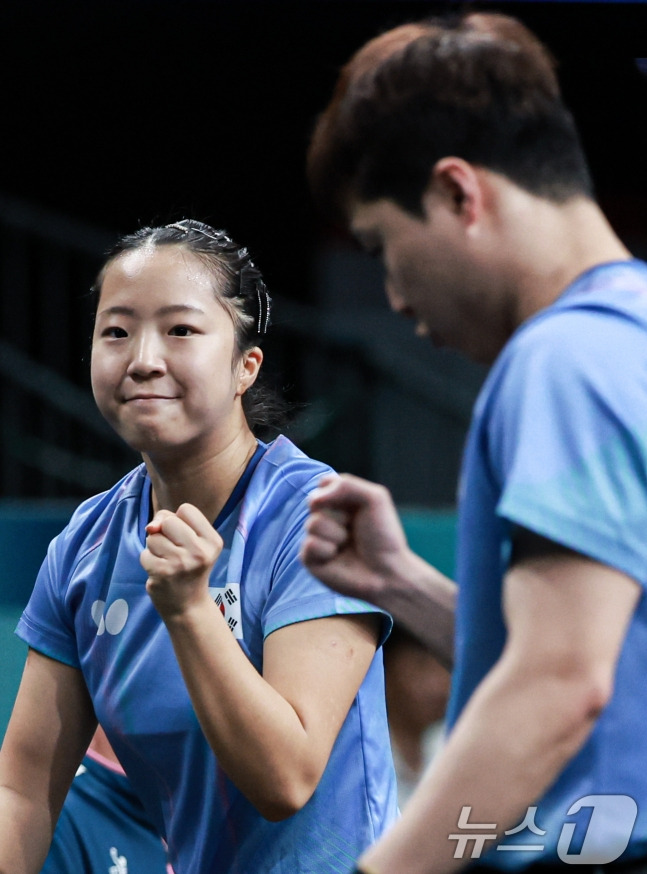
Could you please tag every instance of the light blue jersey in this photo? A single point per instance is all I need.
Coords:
(558, 445)
(90, 610)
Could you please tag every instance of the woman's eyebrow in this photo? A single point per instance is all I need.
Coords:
(119, 310)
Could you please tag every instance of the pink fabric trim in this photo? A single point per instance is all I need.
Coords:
(110, 764)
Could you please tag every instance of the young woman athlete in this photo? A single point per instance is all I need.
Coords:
(243, 697)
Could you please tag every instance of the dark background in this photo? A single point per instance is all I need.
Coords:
(122, 113)
(117, 113)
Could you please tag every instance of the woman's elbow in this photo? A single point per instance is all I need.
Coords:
(276, 810)
(286, 800)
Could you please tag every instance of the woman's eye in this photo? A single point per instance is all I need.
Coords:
(181, 331)
(114, 332)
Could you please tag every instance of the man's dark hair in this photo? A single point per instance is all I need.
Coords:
(480, 87)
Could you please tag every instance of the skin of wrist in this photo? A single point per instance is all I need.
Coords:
(404, 578)
(185, 616)
(364, 870)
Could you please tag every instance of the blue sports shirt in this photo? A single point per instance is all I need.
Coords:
(90, 610)
(558, 445)
(103, 829)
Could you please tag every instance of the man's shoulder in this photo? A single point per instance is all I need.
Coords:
(602, 313)
(580, 344)
(616, 290)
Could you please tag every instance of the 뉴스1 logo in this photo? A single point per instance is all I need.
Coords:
(622, 810)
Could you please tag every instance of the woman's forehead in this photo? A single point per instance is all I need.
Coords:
(166, 266)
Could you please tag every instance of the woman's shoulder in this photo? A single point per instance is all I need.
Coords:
(281, 483)
(285, 463)
(92, 516)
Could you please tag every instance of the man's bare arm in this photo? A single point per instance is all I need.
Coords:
(567, 618)
(355, 544)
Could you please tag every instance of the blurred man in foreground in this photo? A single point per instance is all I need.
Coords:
(448, 151)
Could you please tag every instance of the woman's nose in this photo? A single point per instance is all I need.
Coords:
(147, 358)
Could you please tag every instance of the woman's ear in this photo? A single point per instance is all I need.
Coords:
(248, 368)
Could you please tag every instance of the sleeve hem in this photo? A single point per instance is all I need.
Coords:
(37, 640)
(576, 535)
(320, 608)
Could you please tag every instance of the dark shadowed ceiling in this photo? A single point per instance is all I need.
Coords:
(126, 112)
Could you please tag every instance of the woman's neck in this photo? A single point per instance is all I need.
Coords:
(205, 480)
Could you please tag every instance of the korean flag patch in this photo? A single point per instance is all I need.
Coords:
(228, 600)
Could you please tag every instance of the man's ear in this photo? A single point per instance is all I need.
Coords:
(248, 368)
(458, 184)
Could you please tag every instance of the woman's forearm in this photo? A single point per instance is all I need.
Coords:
(271, 744)
(25, 834)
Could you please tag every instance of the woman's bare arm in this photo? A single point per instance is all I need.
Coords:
(49, 731)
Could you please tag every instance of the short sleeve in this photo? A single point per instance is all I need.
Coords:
(45, 624)
(296, 595)
(567, 436)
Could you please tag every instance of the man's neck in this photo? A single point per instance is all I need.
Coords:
(567, 240)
